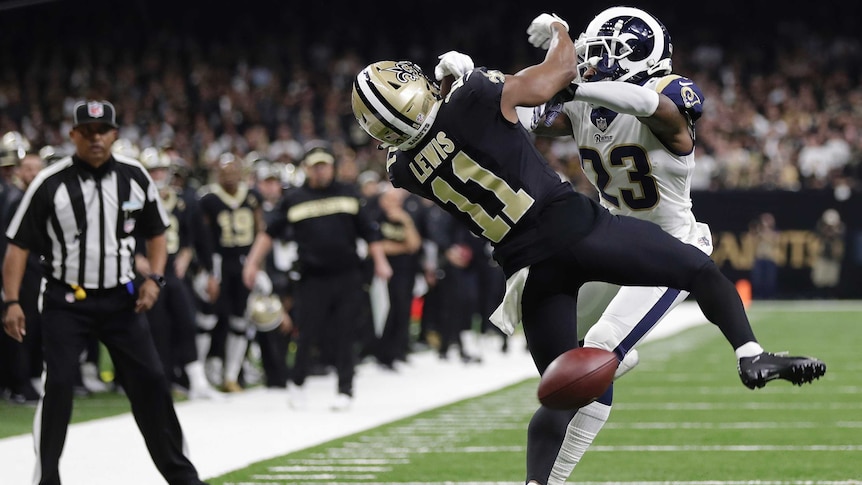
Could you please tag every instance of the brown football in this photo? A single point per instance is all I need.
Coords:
(577, 377)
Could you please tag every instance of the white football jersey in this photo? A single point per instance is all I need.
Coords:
(635, 174)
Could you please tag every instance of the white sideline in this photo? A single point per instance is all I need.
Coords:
(258, 424)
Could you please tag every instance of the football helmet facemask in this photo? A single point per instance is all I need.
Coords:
(395, 103)
(624, 44)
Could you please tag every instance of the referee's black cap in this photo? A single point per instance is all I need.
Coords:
(95, 112)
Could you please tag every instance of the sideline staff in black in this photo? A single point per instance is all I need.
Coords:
(82, 215)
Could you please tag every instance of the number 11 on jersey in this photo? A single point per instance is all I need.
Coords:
(515, 203)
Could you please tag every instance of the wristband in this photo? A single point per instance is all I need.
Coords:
(159, 279)
(7, 304)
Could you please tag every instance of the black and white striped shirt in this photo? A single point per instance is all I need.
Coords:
(84, 221)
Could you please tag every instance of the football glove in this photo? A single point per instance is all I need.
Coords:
(454, 63)
(540, 31)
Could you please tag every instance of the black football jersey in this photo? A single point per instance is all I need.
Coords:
(230, 219)
(178, 234)
(325, 223)
(486, 171)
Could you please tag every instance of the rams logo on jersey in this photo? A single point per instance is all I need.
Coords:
(689, 96)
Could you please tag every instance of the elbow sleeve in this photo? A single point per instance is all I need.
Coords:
(619, 96)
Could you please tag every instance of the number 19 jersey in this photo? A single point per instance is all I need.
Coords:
(487, 173)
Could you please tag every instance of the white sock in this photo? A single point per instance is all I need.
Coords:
(196, 374)
(203, 341)
(234, 353)
(748, 349)
(582, 430)
(470, 343)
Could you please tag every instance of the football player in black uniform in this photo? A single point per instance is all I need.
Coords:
(463, 148)
(172, 317)
(326, 218)
(232, 212)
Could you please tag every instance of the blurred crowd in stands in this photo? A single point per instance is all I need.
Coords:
(782, 109)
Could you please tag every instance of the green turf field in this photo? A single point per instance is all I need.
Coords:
(681, 417)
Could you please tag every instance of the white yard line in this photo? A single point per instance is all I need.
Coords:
(258, 424)
(687, 482)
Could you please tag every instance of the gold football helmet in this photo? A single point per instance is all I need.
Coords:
(395, 102)
(126, 147)
(153, 158)
(265, 311)
(13, 147)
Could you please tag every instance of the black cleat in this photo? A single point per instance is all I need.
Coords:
(756, 371)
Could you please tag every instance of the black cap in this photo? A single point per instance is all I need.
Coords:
(95, 112)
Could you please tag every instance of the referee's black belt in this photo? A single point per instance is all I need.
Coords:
(90, 292)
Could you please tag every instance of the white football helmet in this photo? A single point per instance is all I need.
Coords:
(395, 102)
(624, 44)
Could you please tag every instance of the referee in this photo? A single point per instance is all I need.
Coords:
(81, 215)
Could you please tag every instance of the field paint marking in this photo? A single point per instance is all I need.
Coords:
(672, 448)
(806, 305)
(749, 425)
(623, 448)
(347, 461)
(723, 390)
(686, 482)
(710, 406)
(329, 468)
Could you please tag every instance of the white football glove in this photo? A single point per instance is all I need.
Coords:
(454, 63)
(540, 32)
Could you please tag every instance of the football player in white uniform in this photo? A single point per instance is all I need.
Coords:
(636, 138)
(633, 120)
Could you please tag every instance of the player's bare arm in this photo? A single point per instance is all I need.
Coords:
(670, 125)
(537, 84)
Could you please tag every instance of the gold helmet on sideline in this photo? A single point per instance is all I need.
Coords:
(265, 312)
(395, 103)
(126, 148)
(51, 154)
(153, 158)
(264, 309)
(13, 147)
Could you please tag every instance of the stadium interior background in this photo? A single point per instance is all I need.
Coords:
(43, 41)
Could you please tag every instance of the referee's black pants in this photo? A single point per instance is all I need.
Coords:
(110, 316)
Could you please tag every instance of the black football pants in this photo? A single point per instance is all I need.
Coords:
(327, 313)
(110, 316)
(625, 251)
